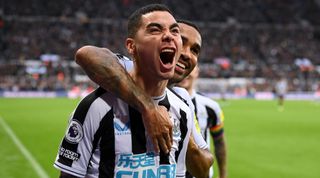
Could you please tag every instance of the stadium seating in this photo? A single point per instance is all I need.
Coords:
(259, 38)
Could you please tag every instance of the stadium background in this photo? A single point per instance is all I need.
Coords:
(247, 46)
(250, 43)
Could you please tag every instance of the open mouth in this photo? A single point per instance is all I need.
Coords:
(179, 64)
(167, 56)
(182, 66)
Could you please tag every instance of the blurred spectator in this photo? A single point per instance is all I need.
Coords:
(256, 38)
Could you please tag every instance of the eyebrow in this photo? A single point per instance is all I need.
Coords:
(154, 24)
(161, 27)
(174, 25)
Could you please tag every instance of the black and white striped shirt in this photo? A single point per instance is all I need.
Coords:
(210, 118)
(182, 93)
(106, 138)
(209, 114)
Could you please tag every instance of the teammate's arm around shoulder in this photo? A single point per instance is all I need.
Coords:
(198, 160)
(102, 66)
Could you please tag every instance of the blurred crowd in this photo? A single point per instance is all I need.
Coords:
(245, 11)
(252, 39)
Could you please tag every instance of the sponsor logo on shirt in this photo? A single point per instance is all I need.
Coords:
(121, 128)
(144, 165)
(69, 154)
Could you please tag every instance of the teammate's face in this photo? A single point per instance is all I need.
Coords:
(191, 41)
(157, 45)
(188, 82)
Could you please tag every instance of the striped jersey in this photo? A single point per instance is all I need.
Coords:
(126, 62)
(181, 93)
(210, 118)
(209, 114)
(106, 138)
(196, 132)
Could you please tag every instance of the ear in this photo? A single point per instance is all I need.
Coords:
(131, 47)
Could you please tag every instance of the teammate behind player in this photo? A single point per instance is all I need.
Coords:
(210, 118)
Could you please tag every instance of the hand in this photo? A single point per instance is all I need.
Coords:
(159, 127)
(198, 160)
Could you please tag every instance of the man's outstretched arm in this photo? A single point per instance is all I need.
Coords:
(102, 66)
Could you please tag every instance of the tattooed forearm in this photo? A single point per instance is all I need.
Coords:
(102, 66)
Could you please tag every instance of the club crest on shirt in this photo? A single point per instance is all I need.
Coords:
(176, 127)
(74, 133)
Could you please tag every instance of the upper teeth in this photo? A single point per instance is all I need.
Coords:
(181, 65)
(167, 50)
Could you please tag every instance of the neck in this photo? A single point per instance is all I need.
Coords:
(190, 90)
(150, 85)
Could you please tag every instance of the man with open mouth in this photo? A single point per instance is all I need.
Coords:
(103, 67)
(112, 141)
